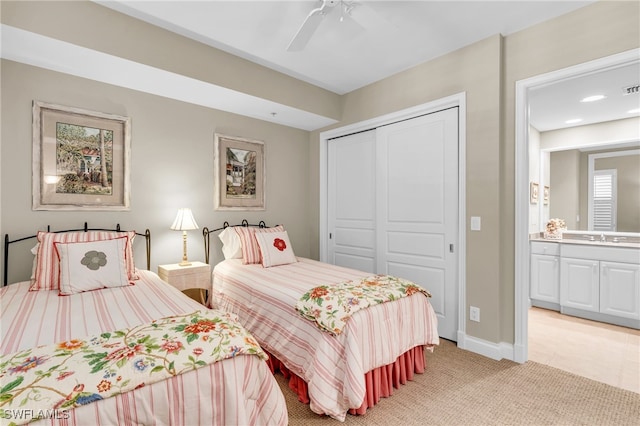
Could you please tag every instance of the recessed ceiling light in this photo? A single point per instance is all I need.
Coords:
(593, 98)
(634, 111)
(573, 121)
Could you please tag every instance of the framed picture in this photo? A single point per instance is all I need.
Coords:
(533, 193)
(80, 159)
(239, 173)
(545, 195)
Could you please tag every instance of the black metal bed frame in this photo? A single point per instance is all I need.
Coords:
(146, 235)
(206, 233)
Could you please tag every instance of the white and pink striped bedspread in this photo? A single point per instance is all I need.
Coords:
(239, 390)
(333, 366)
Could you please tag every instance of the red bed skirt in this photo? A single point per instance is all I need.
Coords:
(380, 381)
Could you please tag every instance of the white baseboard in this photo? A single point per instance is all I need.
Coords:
(491, 350)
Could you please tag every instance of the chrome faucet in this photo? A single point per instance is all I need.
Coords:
(603, 239)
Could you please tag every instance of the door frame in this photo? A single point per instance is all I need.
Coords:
(521, 301)
(456, 100)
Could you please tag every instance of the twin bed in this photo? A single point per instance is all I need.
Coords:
(91, 339)
(155, 355)
(339, 372)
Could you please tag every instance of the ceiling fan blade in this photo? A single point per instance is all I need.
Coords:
(309, 26)
(366, 17)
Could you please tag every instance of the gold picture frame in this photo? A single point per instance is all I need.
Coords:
(80, 159)
(545, 195)
(239, 173)
(533, 193)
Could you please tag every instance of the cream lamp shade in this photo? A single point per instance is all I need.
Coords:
(184, 222)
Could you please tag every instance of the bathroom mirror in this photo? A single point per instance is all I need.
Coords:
(567, 156)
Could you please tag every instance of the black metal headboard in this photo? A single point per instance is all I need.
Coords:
(207, 234)
(146, 235)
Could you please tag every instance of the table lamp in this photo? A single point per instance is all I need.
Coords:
(184, 222)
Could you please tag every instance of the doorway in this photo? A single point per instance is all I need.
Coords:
(522, 179)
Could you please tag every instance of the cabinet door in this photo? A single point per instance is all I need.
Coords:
(620, 289)
(579, 284)
(545, 278)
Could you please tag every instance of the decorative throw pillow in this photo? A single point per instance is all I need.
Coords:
(231, 245)
(250, 249)
(47, 269)
(275, 248)
(92, 265)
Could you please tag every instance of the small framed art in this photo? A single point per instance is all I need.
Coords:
(533, 193)
(239, 173)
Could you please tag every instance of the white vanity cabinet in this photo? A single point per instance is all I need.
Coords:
(545, 275)
(600, 282)
(580, 284)
(620, 289)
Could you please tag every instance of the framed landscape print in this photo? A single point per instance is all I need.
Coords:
(239, 175)
(80, 159)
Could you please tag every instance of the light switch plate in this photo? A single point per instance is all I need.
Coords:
(475, 223)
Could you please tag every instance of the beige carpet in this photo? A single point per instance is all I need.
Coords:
(463, 388)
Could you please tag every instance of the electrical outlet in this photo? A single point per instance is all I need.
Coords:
(474, 313)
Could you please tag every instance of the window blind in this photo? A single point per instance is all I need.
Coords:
(604, 200)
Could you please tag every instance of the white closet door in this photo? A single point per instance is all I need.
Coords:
(417, 211)
(351, 204)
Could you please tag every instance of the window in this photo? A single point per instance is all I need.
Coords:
(602, 209)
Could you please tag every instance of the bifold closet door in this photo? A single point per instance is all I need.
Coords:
(417, 209)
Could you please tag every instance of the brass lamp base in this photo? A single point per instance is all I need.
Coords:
(184, 262)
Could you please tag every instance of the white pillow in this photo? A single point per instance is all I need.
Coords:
(34, 251)
(275, 248)
(92, 265)
(231, 245)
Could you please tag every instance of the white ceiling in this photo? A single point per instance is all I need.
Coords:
(375, 40)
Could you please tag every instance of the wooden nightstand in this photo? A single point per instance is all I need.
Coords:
(193, 280)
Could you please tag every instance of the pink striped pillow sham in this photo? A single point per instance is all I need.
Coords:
(250, 248)
(47, 273)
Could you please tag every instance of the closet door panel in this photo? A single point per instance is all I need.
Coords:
(417, 209)
(351, 206)
(415, 174)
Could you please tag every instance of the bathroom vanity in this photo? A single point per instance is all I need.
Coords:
(589, 275)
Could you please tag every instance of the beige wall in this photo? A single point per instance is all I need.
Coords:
(172, 141)
(171, 164)
(564, 200)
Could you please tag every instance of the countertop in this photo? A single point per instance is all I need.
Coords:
(585, 241)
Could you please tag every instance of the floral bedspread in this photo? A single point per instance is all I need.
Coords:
(330, 306)
(59, 377)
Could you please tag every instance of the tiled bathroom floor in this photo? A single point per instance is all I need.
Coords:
(599, 351)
